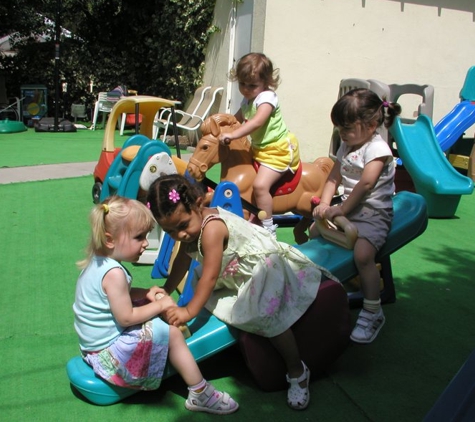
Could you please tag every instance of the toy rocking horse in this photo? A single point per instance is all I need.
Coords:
(293, 192)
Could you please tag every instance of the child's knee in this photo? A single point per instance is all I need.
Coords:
(174, 333)
(261, 185)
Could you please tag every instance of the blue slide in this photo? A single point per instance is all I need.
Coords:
(452, 126)
(433, 175)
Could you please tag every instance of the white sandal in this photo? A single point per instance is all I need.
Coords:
(298, 398)
(211, 400)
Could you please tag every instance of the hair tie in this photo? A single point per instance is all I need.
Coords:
(385, 104)
(148, 205)
(174, 196)
(105, 207)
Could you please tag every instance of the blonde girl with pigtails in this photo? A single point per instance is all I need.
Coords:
(121, 335)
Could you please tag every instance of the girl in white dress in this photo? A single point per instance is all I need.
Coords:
(247, 278)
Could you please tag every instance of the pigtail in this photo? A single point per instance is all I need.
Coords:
(114, 216)
(390, 111)
(97, 221)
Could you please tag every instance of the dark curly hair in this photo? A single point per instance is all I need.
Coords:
(163, 205)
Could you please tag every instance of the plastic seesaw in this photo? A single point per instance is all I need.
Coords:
(328, 317)
(409, 222)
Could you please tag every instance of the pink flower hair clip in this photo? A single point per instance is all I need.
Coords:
(174, 196)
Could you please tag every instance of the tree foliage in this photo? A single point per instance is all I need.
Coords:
(156, 47)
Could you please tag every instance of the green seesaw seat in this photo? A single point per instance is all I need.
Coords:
(327, 318)
(410, 221)
(210, 336)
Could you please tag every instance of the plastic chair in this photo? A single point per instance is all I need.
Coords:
(425, 99)
(190, 121)
(162, 117)
(103, 105)
(425, 92)
(78, 111)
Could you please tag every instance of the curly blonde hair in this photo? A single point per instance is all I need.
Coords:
(254, 66)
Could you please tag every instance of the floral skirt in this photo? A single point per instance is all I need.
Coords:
(136, 359)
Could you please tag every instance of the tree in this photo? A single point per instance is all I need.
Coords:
(154, 46)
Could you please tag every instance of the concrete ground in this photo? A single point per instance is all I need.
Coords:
(45, 172)
(50, 171)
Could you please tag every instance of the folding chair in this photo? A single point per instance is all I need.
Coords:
(190, 121)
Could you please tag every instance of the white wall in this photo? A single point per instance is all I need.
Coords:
(316, 43)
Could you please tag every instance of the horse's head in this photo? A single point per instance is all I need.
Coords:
(209, 151)
(219, 123)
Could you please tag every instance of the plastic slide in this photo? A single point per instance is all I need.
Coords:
(452, 126)
(433, 175)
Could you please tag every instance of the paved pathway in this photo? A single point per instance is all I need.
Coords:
(45, 172)
(50, 171)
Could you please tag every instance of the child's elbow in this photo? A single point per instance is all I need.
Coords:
(125, 320)
(366, 188)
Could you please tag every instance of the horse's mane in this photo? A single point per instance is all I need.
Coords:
(215, 123)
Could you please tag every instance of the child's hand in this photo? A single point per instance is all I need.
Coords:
(178, 316)
(165, 301)
(225, 138)
(319, 211)
(332, 212)
(153, 291)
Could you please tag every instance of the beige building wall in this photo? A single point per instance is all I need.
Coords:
(316, 43)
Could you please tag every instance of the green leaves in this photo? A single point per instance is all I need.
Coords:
(156, 47)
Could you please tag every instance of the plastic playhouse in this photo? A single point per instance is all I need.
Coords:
(422, 165)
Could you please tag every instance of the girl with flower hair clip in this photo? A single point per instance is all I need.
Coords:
(246, 278)
(121, 335)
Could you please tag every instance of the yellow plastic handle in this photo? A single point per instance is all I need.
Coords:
(342, 232)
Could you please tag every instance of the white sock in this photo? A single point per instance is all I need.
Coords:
(372, 305)
(200, 386)
(268, 222)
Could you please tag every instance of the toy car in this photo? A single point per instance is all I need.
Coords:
(141, 105)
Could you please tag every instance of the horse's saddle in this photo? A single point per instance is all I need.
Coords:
(287, 183)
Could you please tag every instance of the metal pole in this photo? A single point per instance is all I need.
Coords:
(56, 66)
(175, 133)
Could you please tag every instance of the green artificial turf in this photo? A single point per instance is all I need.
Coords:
(32, 148)
(429, 331)
(427, 336)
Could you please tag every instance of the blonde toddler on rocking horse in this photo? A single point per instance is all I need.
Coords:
(273, 146)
